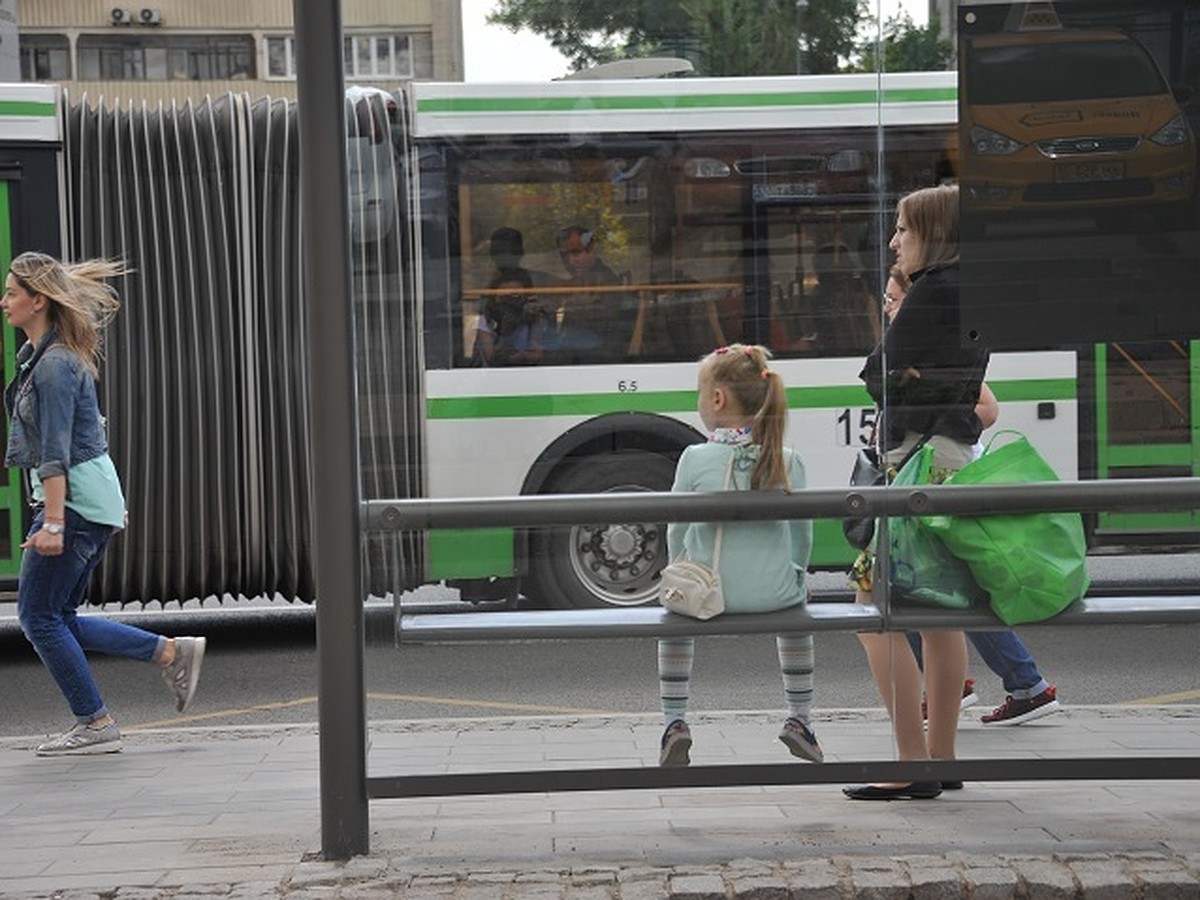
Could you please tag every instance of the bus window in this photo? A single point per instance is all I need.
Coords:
(696, 241)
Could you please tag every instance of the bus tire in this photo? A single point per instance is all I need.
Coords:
(594, 566)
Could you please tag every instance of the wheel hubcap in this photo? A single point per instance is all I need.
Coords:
(618, 563)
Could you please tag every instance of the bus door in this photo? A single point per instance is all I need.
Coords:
(29, 220)
(815, 276)
(1145, 418)
(11, 509)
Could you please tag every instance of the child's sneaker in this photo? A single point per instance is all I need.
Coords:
(84, 740)
(676, 742)
(801, 741)
(1015, 711)
(183, 673)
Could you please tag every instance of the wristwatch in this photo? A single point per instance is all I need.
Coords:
(52, 528)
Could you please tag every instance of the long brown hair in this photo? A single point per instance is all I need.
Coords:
(758, 391)
(81, 304)
(932, 214)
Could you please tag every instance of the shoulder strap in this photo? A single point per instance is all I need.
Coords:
(721, 525)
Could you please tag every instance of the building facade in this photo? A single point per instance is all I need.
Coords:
(945, 12)
(188, 49)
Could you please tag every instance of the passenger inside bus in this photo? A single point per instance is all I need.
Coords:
(593, 325)
(506, 247)
(513, 326)
(842, 310)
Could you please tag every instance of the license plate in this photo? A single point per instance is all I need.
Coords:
(1067, 172)
(790, 191)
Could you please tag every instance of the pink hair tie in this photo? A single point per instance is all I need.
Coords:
(764, 373)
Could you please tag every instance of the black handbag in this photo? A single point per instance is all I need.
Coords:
(866, 473)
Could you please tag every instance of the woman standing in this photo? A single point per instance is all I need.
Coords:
(58, 436)
(926, 384)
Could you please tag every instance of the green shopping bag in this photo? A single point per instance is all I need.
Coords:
(1033, 565)
(921, 569)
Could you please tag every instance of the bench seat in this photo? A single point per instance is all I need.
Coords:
(654, 621)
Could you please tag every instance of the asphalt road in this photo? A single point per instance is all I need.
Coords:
(262, 668)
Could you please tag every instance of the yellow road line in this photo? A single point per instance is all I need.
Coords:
(223, 714)
(487, 704)
(404, 698)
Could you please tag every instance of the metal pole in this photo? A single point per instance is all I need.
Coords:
(801, 21)
(325, 216)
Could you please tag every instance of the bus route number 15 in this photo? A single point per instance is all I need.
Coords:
(854, 427)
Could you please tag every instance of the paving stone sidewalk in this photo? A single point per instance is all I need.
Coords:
(235, 813)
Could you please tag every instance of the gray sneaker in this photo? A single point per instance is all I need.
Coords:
(676, 742)
(801, 741)
(183, 674)
(84, 740)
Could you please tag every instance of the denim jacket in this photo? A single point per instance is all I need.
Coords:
(52, 407)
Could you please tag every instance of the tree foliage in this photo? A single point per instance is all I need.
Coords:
(720, 37)
(905, 47)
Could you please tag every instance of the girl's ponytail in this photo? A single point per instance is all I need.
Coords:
(767, 431)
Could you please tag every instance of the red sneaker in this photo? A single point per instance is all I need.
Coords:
(969, 698)
(1015, 711)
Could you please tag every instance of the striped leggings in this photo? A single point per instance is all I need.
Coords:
(675, 657)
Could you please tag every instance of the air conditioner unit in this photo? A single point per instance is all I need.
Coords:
(119, 15)
(151, 16)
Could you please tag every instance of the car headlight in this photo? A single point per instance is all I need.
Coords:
(706, 167)
(1173, 133)
(846, 161)
(986, 142)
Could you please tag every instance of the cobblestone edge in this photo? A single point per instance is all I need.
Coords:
(1100, 876)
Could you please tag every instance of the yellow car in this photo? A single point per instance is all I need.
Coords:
(1068, 121)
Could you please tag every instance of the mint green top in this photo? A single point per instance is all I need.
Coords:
(762, 564)
(93, 491)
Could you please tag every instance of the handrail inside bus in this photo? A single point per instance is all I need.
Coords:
(604, 289)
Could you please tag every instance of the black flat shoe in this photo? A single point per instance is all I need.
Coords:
(918, 790)
(951, 785)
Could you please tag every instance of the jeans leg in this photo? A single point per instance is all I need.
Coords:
(1005, 655)
(50, 589)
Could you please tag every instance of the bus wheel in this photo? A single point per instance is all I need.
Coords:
(593, 566)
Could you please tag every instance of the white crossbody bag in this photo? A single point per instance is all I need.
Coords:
(693, 589)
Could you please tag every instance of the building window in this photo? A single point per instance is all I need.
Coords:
(160, 57)
(45, 57)
(386, 56)
(281, 56)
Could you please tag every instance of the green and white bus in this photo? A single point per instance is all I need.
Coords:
(721, 210)
(731, 210)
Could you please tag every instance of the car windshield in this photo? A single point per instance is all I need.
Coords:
(1045, 72)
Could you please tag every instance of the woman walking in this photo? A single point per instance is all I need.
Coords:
(57, 436)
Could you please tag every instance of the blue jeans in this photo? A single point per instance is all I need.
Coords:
(1005, 655)
(50, 590)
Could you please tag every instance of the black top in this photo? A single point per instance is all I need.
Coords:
(925, 336)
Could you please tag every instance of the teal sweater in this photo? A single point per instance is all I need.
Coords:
(762, 564)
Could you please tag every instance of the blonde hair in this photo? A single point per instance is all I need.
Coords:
(758, 391)
(932, 214)
(81, 304)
